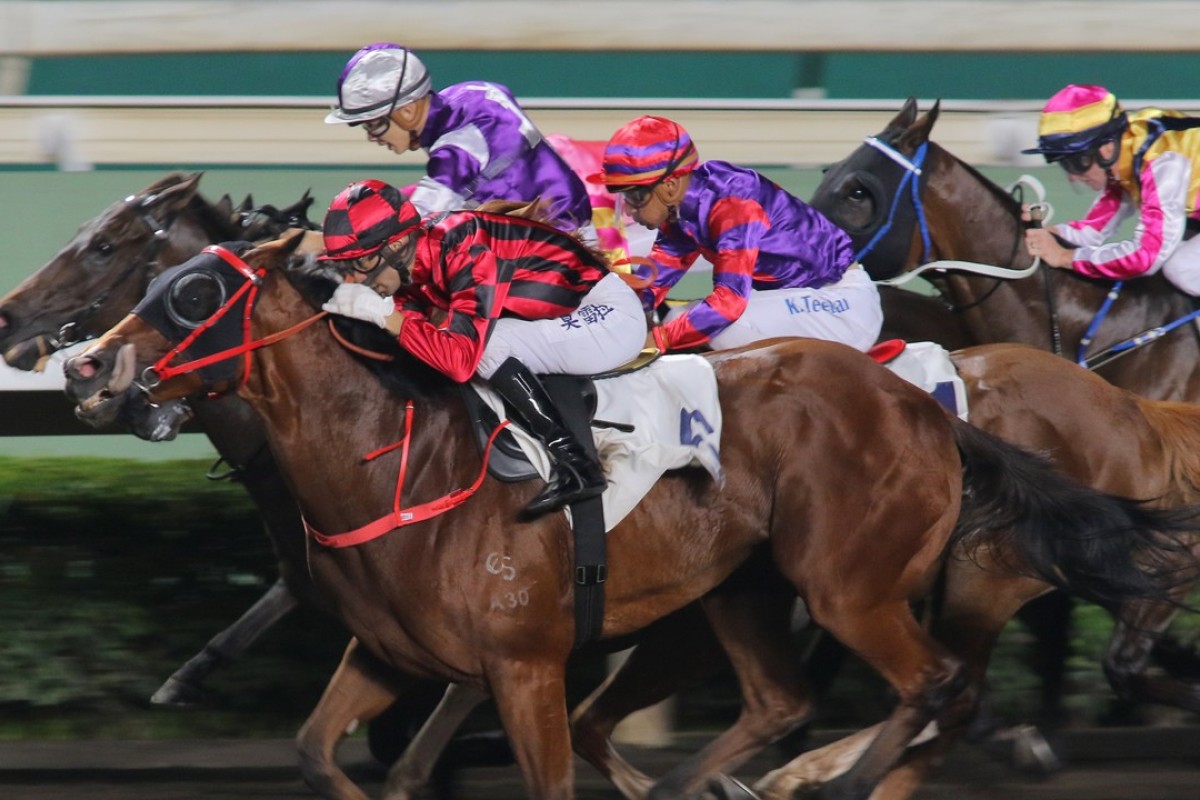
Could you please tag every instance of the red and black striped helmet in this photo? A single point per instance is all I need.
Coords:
(364, 217)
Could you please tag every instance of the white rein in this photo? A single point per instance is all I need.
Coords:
(989, 270)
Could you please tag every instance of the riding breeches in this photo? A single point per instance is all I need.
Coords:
(608, 329)
(1182, 269)
(847, 311)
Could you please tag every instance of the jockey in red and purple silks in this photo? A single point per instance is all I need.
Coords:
(780, 267)
(481, 144)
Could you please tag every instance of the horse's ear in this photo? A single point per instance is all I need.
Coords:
(173, 198)
(918, 132)
(908, 113)
(224, 207)
(285, 245)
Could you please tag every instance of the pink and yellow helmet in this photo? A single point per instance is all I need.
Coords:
(1078, 118)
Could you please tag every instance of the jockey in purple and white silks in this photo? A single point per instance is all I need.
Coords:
(780, 267)
(1145, 162)
(481, 144)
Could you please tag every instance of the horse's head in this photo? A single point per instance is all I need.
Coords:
(873, 185)
(186, 337)
(98, 276)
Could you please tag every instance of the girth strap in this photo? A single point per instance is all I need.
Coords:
(587, 517)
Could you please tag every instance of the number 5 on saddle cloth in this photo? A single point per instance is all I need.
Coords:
(926, 365)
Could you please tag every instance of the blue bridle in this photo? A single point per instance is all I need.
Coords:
(912, 171)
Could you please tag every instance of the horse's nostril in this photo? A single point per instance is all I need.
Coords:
(82, 368)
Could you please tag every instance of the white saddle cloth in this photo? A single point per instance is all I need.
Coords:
(928, 366)
(676, 418)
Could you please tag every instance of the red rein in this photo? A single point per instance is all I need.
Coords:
(399, 516)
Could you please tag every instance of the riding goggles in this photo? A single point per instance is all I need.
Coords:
(375, 128)
(1078, 163)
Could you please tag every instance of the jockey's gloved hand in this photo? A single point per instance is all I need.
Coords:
(359, 301)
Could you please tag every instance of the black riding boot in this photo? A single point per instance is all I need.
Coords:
(574, 475)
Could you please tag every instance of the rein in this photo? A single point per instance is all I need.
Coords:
(912, 171)
(399, 517)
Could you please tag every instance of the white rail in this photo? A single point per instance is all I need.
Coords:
(58, 27)
(78, 132)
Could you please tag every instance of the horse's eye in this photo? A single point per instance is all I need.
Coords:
(858, 194)
(194, 298)
(103, 247)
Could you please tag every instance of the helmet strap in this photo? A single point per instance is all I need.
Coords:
(1107, 163)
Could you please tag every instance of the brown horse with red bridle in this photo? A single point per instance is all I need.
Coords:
(852, 482)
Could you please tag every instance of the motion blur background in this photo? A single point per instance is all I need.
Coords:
(116, 556)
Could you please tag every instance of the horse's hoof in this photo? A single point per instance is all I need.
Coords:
(1031, 753)
(180, 695)
(724, 787)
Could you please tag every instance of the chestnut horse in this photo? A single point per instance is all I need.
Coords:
(89, 285)
(856, 488)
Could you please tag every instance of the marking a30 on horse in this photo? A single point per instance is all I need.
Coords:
(857, 488)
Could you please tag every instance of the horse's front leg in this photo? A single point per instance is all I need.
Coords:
(413, 770)
(183, 687)
(531, 699)
(361, 689)
(674, 652)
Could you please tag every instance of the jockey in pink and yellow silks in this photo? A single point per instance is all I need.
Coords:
(1145, 162)
(780, 267)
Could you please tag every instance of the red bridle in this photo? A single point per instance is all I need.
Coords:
(399, 516)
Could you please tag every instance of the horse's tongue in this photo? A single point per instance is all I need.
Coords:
(30, 355)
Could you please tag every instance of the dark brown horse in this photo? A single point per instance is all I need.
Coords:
(89, 285)
(855, 490)
(969, 218)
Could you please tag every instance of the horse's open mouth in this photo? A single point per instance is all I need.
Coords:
(30, 355)
(101, 409)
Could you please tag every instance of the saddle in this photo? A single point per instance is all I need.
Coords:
(637, 441)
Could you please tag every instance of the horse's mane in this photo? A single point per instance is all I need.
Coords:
(402, 374)
(892, 135)
(538, 211)
(1012, 204)
(220, 221)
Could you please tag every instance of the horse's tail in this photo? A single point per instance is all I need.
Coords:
(1037, 521)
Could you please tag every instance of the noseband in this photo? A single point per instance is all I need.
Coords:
(73, 332)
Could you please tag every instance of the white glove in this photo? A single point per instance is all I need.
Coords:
(359, 301)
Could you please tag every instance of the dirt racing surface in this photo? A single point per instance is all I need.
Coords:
(1103, 764)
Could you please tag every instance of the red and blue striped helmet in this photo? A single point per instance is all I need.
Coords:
(364, 217)
(646, 152)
